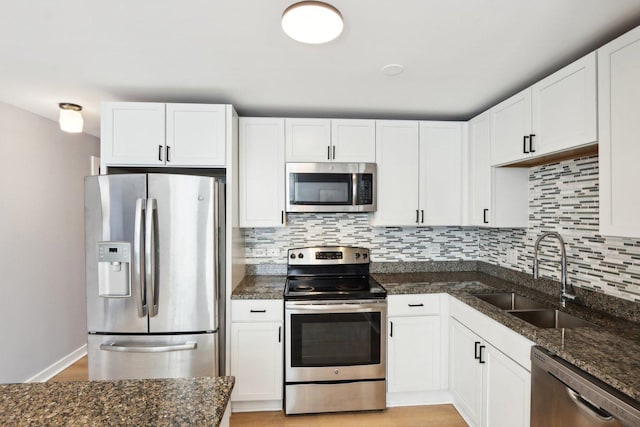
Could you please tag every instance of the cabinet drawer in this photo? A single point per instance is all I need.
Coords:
(413, 305)
(257, 310)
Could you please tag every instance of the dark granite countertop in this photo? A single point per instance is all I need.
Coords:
(610, 351)
(260, 287)
(160, 402)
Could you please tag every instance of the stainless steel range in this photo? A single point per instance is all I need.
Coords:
(335, 332)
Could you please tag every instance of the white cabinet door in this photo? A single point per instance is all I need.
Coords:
(511, 126)
(397, 159)
(353, 141)
(262, 174)
(441, 161)
(507, 385)
(480, 170)
(414, 354)
(618, 104)
(465, 372)
(308, 140)
(256, 361)
(132, 133)
(564, 108)
(196, 135)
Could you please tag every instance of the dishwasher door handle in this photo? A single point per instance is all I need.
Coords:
(587, 406)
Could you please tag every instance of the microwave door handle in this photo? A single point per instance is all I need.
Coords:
(354, 188)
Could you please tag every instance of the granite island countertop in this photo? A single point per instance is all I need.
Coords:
(157, 402)
(610, 351)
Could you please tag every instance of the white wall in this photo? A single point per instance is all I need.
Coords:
(42, 283)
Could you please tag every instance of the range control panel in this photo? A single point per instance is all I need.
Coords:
(326, 255)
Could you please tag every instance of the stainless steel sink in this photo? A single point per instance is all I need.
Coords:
(550, 318)
(509, 301)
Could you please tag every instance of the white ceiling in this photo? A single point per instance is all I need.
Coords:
(460, 56)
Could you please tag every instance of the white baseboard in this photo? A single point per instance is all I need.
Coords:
(51, 371)
(419, 398)
(256, 406)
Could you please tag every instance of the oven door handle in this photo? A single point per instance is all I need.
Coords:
(334, 308)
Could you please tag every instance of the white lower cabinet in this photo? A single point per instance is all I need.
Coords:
(489, 388)
(256, 354)
(416, 365)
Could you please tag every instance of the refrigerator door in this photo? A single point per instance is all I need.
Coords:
(180, 253)
(114, 208)
(117, 357)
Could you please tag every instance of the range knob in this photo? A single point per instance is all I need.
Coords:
(300, 255)
(364, 255)
(292, 256)
(357, 255)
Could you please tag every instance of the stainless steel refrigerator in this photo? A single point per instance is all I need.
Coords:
(155, 275)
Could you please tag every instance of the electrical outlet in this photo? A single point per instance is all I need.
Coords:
(259, 252)
(273, 252)
(512, 256)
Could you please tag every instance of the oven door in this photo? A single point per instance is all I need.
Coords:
(335, 340)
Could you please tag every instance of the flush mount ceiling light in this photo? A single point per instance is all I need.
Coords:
(70, 117)
(392, 69)
(312, 22)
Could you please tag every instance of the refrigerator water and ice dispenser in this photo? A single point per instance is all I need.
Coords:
(114, 274)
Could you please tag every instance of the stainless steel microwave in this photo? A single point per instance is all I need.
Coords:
(331, 187)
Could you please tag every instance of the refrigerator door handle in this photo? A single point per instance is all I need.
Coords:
(216, 230)
(138, 348)
(150, 256)
(138, 261)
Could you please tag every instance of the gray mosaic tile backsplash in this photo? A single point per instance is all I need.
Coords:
(563, 197)
(269, 245)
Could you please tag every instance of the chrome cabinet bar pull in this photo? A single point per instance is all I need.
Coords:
(484, 216)
(475, 350)
(160, 152)
(142, 348)
(480, 354)
(524, 144)
(168, 159)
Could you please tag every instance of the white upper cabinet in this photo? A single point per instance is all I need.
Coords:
(195, 135)
(498, 197)
(420, 173)
(325, 140)
(398, 162)
(262, 173)
(480, 169)
(132, 133)
(308, 140)
(156, 134)
(441, 173)
(555, 114)
(564, 108)
(511, 123)
(353, 141)
(619, 103)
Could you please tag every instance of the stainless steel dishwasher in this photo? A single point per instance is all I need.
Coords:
(563, 395)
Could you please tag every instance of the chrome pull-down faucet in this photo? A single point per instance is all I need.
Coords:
(564, 293)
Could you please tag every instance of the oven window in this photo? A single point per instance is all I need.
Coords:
(335, 339)
(321, 189)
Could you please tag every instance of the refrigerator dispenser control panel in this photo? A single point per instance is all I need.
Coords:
(114, 277)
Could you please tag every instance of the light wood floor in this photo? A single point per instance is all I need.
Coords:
(76, 372)
(411, 416)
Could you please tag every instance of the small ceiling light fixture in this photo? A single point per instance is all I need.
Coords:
(312, 22)
(70, 117)
(392, 69)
